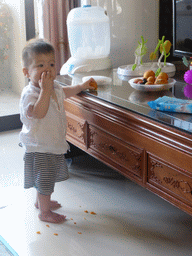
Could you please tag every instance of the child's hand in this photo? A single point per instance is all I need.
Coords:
(89, 84)
(46, 81)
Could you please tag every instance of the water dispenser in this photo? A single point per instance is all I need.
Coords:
(89, 39)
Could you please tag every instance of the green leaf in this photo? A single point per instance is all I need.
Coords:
(158, 72)
(134, 67)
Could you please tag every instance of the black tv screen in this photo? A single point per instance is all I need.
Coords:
(182, 28)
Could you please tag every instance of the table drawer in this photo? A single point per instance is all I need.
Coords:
(76, 128)
(170, 179)
(124, 154)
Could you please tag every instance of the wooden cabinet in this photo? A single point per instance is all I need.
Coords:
(126, 157)
(154, 155)
(76, 130)
(171, 181)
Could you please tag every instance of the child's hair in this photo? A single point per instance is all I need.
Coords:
(34, 47)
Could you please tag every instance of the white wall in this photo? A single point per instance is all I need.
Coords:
(18, 38)
(129, 20)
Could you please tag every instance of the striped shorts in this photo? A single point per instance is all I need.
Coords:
(42, 170)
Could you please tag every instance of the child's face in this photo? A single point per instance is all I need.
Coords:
(40, 63)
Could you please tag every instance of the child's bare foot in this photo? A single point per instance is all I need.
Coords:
(51, 217)
(54, 205)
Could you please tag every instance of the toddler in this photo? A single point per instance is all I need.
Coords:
(44, 126)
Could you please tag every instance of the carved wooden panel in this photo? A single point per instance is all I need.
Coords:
(152, 154)
(118, 151)
(77, 128)
(173, 180)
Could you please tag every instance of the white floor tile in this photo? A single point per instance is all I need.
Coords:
(129, 220)
(9, 102)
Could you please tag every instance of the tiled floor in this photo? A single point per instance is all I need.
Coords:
(129, 220)
(9, 102)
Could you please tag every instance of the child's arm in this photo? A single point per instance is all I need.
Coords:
(73, 90)
(40, 108)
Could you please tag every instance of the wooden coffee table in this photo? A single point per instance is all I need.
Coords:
(153, 149)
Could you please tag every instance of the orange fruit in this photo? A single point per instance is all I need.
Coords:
(161, 81)
(163, 75)
(149, 73)
(94, 84)
(153, 56)
(167, 45)
(151, 79)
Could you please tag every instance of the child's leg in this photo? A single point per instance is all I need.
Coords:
(45, 213)
(54, 205)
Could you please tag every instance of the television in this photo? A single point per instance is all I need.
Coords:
(182, 28)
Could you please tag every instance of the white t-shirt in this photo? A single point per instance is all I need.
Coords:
(46, 135)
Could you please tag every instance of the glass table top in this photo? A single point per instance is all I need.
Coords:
(120, 93)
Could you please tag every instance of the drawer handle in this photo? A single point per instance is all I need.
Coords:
(112, 149)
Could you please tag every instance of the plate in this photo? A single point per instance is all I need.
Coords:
(152, 87)
(126, 70)
(100, 80)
